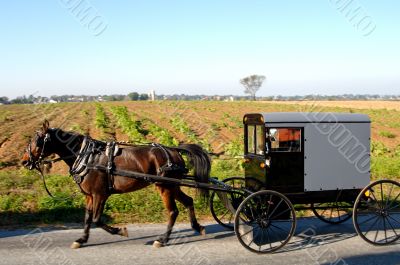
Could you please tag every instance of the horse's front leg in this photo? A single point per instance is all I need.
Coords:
(167, 196)
(98, 207)
(87, 223)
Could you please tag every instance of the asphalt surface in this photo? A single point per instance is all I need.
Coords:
(315, 243)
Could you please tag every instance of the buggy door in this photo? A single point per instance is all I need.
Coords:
(285, 153)
(255, 151)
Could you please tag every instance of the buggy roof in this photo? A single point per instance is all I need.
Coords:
(309, 117)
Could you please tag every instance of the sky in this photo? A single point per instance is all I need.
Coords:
(327, 47)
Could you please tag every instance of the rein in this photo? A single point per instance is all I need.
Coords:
(37, 166)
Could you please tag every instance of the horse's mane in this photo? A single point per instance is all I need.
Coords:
(66, 135)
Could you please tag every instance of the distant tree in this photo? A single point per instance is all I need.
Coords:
(144, 97)
(133, 96)
(252, 84)
(20, 100)
(3, 100)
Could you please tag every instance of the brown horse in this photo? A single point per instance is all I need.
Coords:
(78, 151)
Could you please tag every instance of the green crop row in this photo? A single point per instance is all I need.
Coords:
(180, 125)
(162, 135)
(387, 134)
(101, 121)
(128, 124)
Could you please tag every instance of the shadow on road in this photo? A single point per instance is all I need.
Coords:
(387, 258)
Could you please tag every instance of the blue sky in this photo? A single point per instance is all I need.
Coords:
(202, 47)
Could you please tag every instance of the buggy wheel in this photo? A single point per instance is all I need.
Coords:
(377, 212)
(332, 212)
(265, 221)
(224, 215)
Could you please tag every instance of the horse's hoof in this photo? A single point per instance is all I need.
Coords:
(157, 244)
(123, 232)
(203, 231)
(75, 245)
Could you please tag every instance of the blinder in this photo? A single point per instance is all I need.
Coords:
(40, 142)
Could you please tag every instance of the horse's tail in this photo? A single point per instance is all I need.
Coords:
(200, 161)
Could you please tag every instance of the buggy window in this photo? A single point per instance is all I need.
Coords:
(259, 140)
(284, 139)
(250, 138)
(255, 139)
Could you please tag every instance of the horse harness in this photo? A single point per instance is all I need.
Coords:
(90, 154)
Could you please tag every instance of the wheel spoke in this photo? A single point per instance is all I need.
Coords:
(269, 204)
(227, 211)
(388, 198)
(252, 228)
(230, 217)
(252, 213)
(269, 240)
(284, 211)
(377, 201)
(244, 217)
(393, 219)
(364, 221)
(395, 199)
(277, 234)
(369, 229)
(330, 216)
(376, 234)
(262, 239)
(322, 214)
(283, 221)
(276, 207)
(391, 226)
(384, 228)
(394, 207)
(337, 209)
(251, 242)
(277, 227)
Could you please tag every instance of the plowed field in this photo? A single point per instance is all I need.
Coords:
(215, 123)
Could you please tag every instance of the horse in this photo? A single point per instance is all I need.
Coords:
(98, 182)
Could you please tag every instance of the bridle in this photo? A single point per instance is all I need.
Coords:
(33, 163)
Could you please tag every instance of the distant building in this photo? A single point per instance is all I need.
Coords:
(152, 95)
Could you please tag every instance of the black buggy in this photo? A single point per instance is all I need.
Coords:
(306, 161)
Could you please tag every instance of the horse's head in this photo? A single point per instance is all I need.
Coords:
(38, 148)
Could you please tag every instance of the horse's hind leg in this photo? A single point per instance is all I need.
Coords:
(87, 223)
(187, 201)
(168, 199)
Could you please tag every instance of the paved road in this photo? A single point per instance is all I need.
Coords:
(315, 243)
